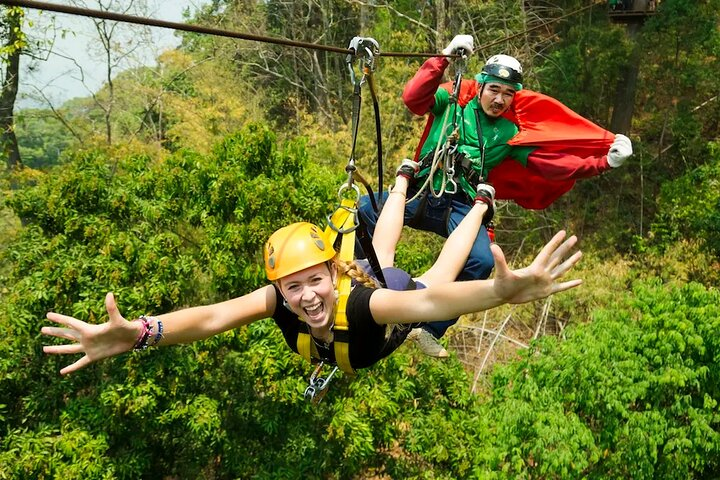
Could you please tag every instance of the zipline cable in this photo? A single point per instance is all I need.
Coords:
(121, 17)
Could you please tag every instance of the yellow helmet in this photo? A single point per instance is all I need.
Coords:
(294, 248)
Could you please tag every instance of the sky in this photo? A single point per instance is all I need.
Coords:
(75, 67)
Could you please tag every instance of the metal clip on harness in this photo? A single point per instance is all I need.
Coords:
(318, 385)
(445, 152)
(345, 207)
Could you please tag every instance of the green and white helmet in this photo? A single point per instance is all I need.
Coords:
(503, 69)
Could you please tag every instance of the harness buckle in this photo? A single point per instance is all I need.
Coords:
(318, 386)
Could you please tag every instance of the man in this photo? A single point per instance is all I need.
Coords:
(528, 146)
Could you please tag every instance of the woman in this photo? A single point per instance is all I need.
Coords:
(299, 263)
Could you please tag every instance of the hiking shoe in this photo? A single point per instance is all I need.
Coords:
(408, 169)
(486, 194)
(427, 343)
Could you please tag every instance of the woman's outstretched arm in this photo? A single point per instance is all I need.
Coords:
(453, 299)
(119, 335)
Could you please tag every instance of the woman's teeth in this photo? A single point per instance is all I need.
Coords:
(314, 310)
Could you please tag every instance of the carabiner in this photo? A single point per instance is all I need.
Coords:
(318, 385)
(365, 47)
(460, 65)
(343, 231)
(449, 165)
(451, 186)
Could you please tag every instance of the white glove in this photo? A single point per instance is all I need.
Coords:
(619, 151)
(460, 41)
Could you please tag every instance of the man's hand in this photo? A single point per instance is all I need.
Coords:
(619, 151)
(464, 42)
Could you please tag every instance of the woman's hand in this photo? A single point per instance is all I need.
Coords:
(539, 279)
(95, 341)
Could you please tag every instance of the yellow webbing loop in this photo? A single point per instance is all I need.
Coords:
(304, 345)
(344, 216)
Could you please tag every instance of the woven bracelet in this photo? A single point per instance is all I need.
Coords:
(142, 340)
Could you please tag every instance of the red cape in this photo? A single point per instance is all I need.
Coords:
(552, 127)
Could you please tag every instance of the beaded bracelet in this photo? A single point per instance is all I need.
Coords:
(159, 335)
(141, 342)
(147, 338)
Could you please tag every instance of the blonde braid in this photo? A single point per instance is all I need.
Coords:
(357, 273)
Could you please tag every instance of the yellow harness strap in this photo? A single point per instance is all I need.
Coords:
(344, 219)
(347, 253)
(306, 347)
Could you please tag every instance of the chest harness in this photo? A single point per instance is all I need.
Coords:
(445, 159)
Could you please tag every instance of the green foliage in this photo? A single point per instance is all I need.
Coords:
(588, 59)
(42, 138)
(682, 39)
(11, 23)
(45, 453)
(689, 207)
(632, 395)
(160, 234)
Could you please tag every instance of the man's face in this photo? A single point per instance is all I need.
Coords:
(496, 98)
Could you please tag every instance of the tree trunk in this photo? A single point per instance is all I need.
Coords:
(9, 94)
(440, 18)
(627, 85)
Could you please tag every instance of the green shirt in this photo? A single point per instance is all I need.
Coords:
(496, 133)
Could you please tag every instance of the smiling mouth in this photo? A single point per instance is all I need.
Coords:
(314, 310)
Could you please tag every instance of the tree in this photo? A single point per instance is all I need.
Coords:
(118, 43)
(626, 89)
(14, 42)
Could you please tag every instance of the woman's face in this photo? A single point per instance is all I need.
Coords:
(310, 294)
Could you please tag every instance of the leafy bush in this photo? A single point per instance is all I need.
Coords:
(631, 395)
(690, 206)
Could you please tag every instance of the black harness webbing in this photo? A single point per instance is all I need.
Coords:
(366, 243)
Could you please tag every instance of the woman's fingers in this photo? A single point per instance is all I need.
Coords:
(82, 363)
(561, 251)
(66, 333)
(561, 287)
(565, 266)
(63, 349)
(546, 254)
(501, 266)
(112, 309)
(65, 320)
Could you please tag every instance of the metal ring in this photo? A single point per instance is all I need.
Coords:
(346, 186)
